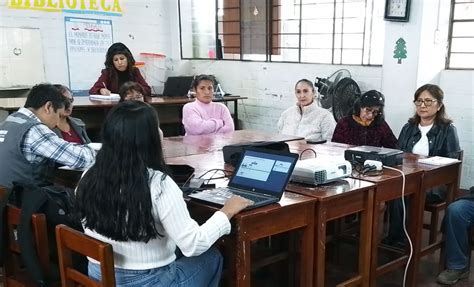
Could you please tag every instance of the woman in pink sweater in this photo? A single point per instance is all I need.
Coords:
(204, 116)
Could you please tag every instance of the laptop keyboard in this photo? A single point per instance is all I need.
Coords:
(226, 192)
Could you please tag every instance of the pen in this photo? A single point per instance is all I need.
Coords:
(103, 83)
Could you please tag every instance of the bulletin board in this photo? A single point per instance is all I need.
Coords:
(87, 41)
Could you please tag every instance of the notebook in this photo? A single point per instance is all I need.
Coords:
(261, 176)
(111, 97)
(177, 86)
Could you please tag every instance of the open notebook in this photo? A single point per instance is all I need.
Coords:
(261, 176)
(112, 97)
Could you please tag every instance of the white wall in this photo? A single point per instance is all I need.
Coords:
(143, 27)
(270, 86)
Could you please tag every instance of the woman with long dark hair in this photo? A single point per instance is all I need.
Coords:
(127, 200)
(119, 68)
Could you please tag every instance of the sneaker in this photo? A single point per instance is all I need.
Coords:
(451, 276)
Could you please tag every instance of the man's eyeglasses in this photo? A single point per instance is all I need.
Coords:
(427, 102)
(374, 112)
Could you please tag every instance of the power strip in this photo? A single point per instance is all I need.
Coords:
(373, 164)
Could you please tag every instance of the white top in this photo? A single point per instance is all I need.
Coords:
(422, 146)
(312, 122)
(174, 222)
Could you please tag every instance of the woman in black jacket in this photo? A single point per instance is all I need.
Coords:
(431, 133)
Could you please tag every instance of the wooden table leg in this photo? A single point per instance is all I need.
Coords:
(242, 262)
(320, 244)
(307, 251)
(374, 244)
(417, 208)
(365, 243)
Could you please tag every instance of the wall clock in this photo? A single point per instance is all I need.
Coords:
(397, 10)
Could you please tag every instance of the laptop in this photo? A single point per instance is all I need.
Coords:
(177, 86)
(261, 176)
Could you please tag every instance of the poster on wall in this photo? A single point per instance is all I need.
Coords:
(87, 41)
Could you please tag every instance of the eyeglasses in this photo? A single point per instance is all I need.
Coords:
(427, 102)
(71, 100)
(372, 111)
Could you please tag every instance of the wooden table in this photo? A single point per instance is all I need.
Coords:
(336, 200)
(419, 179)
(293, 212)
(93, 112)
(174, 146)
(449, 175)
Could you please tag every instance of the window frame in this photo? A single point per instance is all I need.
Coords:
(450, 36)
(269, 7)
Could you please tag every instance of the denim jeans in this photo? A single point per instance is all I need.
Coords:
(457, 222)
(202, 270)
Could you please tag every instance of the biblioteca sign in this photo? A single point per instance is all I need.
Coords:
(104, 7)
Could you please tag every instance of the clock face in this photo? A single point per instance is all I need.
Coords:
(397, 8)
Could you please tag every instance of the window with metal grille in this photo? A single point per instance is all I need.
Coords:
(461, 35)
(301, 31)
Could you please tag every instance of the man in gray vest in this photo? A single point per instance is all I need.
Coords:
(29, 148)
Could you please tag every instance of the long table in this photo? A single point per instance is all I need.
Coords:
(419, 178)
(361, 193)
(333, 201)
(93, 112)
(188, 145)
(294, 212)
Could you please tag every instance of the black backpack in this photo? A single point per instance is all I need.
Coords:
(57, 204)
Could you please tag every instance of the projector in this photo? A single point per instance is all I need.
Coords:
(387, 156)
(320, 171)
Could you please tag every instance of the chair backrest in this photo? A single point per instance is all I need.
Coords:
(14, 270)
(71, 241)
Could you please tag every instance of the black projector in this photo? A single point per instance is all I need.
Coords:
(388, 156)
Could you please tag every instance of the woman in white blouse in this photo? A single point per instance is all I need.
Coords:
(306, 118)
(127, 200)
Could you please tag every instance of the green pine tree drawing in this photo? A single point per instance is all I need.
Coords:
(400, 50)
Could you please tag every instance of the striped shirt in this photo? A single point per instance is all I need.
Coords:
(41, 143)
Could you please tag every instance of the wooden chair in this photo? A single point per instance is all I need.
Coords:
(72, 241)
(435, 210)
(14, 270)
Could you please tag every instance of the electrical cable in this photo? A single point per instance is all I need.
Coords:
(315, 154)
(404, 222)
(226, 173)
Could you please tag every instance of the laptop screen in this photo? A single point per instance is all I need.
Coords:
(264, 171)
(177, 86)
